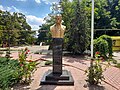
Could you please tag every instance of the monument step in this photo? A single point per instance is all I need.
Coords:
(56, 79)
(53, 77)
(57, 76)
(59, 82)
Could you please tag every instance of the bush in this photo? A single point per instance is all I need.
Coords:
(9, 73)
(101, 45)
(109, 40)
(95, 71)
(27, 67)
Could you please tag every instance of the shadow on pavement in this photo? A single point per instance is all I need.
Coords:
(78, 58)
(81, 59)
(21, 86)
(47, 56)
(95, 87)
(45, 87)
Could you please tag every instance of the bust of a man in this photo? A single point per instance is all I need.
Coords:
(57, 30)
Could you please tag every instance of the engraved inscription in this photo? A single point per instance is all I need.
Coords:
(57, 55)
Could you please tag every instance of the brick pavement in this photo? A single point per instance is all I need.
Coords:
(112, 75)
(77, 67)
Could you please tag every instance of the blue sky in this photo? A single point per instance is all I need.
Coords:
(35, 10)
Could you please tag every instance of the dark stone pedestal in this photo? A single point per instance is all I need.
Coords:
(57, 55)
(57, 79)
(57, 76)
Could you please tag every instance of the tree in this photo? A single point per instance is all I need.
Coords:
(78, 26)
(114, 9)
(102, 16)
(67, 15)
(107, 14)
(14, 27)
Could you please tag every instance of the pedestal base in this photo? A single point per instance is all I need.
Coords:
(50, 78)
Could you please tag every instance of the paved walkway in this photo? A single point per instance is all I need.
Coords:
(77, 66)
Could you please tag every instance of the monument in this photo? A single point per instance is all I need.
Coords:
(57, 76)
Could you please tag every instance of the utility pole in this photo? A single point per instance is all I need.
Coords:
(92, 28)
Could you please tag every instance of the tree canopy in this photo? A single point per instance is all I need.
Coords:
(13, 27)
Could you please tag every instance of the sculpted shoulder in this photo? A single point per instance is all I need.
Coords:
(64, 27)
(51, 27)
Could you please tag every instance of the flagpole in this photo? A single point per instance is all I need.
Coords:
(92, 28)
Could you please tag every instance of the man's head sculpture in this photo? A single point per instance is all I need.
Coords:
(57, 30)
(58, 19)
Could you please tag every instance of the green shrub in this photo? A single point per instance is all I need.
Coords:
(27, 67)
(95, 71)
(109, 40)
(48, 62)
(9, 73)
(3, 61)
(101, 45)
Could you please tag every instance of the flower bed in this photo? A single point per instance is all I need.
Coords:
(14, 71)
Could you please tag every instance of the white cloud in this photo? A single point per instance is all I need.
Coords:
(2, 8)
(47, 1)
(15, 9)
(51, 1)
(34, 27)
(37, 1)
(10, 9)
(34, 21)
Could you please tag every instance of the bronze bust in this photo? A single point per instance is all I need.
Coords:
(57, 30)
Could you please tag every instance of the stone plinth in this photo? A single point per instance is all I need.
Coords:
(57, 76)
(57, 79)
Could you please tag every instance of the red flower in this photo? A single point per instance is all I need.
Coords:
(21, 65)
(97, 52)
(26, 52)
